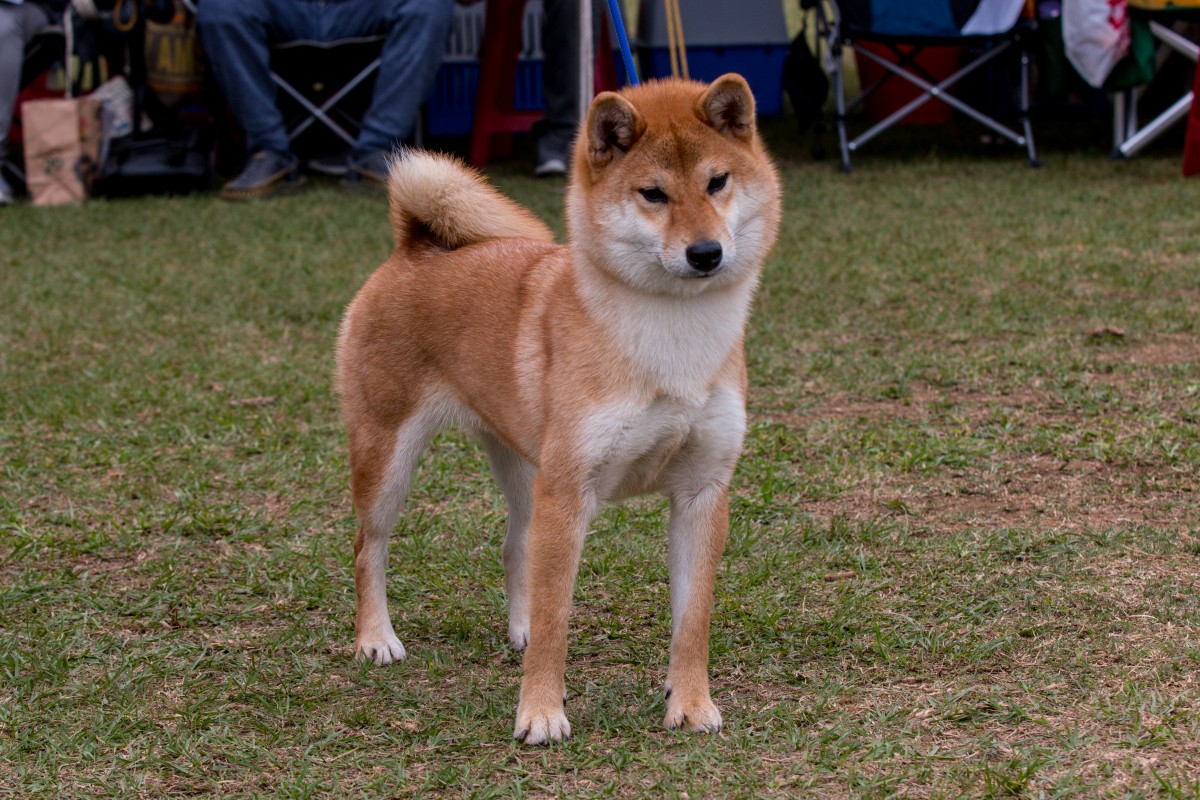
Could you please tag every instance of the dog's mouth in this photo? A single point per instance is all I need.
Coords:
(679, 270)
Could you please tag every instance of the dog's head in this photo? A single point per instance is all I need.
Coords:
(671, 189)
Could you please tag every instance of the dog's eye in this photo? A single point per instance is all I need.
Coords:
(653, 194)
(718, 183)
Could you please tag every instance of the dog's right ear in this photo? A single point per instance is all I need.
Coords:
(613, 126)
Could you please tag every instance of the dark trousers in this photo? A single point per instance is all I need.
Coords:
(18, 24)
(237, 35)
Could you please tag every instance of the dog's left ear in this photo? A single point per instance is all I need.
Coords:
(728, 106)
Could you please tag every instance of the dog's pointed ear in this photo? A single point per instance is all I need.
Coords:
(613, 126)
(728, 106)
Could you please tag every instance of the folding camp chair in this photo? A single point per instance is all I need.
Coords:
(988, 28)
(321, 78)
(1128, 137)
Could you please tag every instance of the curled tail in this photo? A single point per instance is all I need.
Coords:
(436, 200)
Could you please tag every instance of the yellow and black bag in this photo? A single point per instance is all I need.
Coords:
(174, 66)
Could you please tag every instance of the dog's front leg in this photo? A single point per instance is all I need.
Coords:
(699, 525)
(556, 536)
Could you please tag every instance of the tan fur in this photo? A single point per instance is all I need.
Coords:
(455, 204)
(591, 371)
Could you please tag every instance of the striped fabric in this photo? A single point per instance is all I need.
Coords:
(1165, 5)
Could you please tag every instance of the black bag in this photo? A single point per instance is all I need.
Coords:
(805, 82)
(178, 163)
(173, 157)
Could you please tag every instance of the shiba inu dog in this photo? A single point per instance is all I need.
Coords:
(592, 371)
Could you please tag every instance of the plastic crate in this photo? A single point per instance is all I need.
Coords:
(760, 65)
(749, 38)
(450, 108)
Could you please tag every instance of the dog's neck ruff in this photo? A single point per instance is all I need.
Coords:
(678, 344)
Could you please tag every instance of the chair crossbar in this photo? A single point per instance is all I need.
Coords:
(903, 64)
(936, 91)
(1131, 139)
(321, 112)
(1178, 110)
(1175, 41)
(905, 58)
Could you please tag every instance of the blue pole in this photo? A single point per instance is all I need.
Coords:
(614, 10)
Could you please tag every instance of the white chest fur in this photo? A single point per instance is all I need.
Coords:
(633, 448)
(677, 343)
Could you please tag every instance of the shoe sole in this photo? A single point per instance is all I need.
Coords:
(327, 168)
(363, 182)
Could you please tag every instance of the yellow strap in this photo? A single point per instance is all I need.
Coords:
(670, 37)
(683, 62)
(677, 50)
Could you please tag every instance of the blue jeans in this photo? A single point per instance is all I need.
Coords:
(237, 35)
(18, 24)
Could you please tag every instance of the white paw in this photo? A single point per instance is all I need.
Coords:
(700, 716)
(379, 650)
(542, 727)
(518, 636)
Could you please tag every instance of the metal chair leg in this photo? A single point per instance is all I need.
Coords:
(839, 98)
(1028, 127)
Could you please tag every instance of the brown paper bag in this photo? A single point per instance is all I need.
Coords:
(62, 144)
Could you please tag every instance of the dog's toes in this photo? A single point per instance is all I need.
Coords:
(380, 652)
(542, 728)
(518, 637)
(700, 716)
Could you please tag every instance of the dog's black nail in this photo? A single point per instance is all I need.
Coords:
(667, 694)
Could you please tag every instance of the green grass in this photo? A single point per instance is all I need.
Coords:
(964, 558)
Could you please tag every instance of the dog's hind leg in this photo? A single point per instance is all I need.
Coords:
(382, 464)
(515, 476)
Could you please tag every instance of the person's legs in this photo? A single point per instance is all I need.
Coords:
(560, 67)
(415, 32)
(237, 35)
(18, 24)
(560, 86)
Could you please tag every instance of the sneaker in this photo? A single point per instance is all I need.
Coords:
(6, 192)
(366, 171)
(266, 174)
(553, 149)
(551, 166)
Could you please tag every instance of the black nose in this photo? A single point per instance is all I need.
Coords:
(704, 256)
